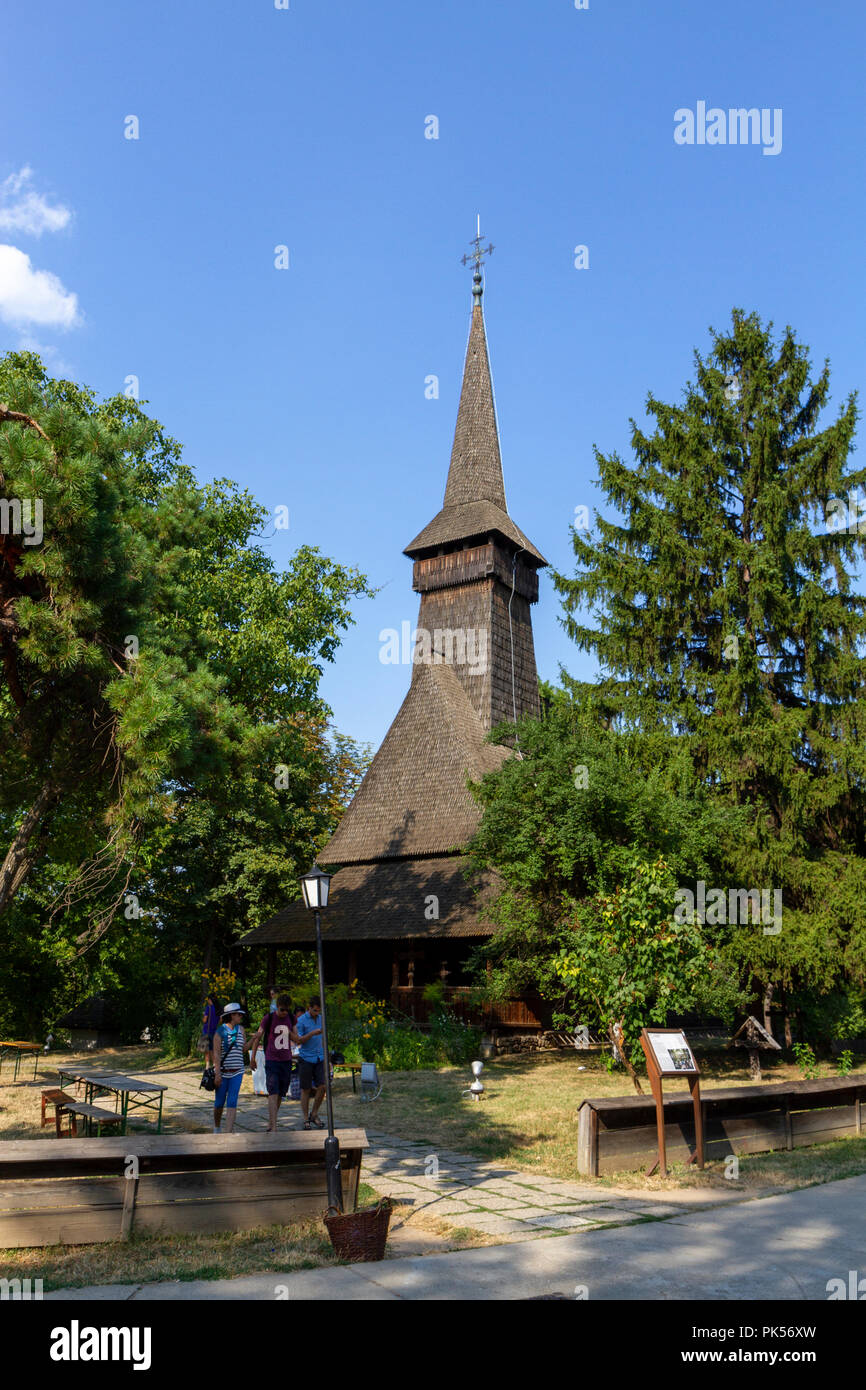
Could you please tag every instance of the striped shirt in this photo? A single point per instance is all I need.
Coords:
(232, 1049)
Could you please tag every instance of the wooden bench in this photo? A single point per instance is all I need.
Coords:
(620, 1133)
(58, 1098)
(87, 1190)
(92, 1115)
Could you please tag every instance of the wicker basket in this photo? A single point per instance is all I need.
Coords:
(362, 1234)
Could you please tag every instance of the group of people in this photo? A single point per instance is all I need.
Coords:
(287, 1041)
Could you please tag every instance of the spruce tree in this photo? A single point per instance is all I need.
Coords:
(723, 613)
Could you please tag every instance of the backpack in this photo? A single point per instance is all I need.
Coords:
(266, 1031)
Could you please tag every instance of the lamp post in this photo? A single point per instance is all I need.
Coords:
(315, 886)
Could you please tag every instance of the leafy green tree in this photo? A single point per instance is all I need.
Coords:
(169, 765)
(563, 826)
(630, 962)
(720, 605)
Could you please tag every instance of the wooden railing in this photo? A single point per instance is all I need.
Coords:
(523, 1011)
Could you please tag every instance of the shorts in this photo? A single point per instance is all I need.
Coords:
(228, 1090)
(310, 1074)
(279, 1074)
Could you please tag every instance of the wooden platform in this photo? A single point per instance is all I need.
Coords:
(87, 1190)
(620, 1133)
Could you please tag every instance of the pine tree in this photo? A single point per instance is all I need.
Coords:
(725, 615)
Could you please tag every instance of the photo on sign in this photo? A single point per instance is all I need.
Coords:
(672, 1052)
(681, 1058)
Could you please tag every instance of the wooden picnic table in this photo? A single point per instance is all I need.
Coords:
(20, 1049)
(124, 1088)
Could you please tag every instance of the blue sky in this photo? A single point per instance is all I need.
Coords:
(305, 127)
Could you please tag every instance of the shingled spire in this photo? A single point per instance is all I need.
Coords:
(475, 474)
(474, 504)
(476, 572)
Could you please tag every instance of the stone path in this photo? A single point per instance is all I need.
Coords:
(506, 1203)
(509, 1203)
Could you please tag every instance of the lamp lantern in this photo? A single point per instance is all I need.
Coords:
(316, 886)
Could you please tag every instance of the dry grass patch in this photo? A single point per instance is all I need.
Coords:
(20, 1101)
(759, 1174)
(528, 1118)
(148, 1259)
(229, 1255)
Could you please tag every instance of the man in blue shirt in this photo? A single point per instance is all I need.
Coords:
(311, 1063)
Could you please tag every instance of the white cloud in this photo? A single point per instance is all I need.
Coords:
(29, 296)
(22, 209)
(57, 364)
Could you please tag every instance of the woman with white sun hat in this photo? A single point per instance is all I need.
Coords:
(228, 1060)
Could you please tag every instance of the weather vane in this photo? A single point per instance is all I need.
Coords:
(476, 258)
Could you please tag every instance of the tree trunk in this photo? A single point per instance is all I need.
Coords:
(21, 854)
(614, 1032)
(786, 1020)
(768, 1004)
(208, 956)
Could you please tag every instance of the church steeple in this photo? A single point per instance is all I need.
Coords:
(476, 572)
(401, 843)
(474, 503)
(475, 473)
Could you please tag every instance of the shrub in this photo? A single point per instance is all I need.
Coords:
(179, 1038)
(806, 1060)
(454, 1040)
(363, 1029)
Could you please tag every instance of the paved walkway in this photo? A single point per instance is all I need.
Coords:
(783, 1247)
(507, 1203)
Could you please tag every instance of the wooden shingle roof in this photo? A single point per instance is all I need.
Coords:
(474, 502)
(401, 842)
(476, 464)
(414, 798)
(389, 900)
(468, 521)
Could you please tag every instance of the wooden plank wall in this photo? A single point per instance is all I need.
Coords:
(610, 1142)
(83, 1210)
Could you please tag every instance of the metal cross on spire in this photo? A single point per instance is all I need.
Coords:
(476, 258)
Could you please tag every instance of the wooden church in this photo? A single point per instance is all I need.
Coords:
(401, 912)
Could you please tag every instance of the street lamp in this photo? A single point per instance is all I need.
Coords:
(315, 886)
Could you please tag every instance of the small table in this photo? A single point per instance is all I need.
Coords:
(19, 1050)
(123, 1088)
(353, 1067)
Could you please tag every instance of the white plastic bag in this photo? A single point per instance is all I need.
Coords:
(260, 1080)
